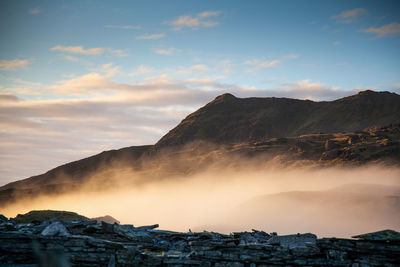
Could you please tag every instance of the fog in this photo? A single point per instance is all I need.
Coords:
(328, 201)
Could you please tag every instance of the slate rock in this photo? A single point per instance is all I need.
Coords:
(3, 218)
(55, 229)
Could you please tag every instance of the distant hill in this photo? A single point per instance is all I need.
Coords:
(323, 133)
(359, 207)
(228, 119)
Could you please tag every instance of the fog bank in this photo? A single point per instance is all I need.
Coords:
(329, 202)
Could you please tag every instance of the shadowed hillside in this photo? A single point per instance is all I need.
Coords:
(228, 119)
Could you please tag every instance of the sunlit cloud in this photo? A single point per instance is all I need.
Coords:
(124, 27)
(202, 19)
(34, 11)
(13, 64)
(200, 67)
(154, 36)
(349, 16)
(90, 51)
(386, 30)
(166, 52)
(206, 14)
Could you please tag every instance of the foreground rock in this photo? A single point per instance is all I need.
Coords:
(93, 243)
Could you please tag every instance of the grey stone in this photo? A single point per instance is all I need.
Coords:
(55, 229)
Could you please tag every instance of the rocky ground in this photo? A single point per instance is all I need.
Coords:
(94, 243)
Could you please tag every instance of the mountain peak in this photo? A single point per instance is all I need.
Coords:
(224, 97)
(228, 119)
(367, 92)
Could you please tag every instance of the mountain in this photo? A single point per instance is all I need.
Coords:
(77, 171)
(228, 119)
(323, 133)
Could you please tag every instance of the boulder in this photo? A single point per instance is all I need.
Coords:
(3, 218)
(55, 229)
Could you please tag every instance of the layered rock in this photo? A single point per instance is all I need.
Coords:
(91, 243)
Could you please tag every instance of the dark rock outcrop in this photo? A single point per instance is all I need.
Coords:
(90, 243)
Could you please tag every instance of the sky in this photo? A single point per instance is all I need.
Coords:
(81, 77)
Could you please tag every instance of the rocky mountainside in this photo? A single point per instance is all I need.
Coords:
(228, 119)
(320, 133)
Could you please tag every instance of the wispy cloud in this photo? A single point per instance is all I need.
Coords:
(349, 16)
(95, 83)
(257, 64)
(70, 58)
(337, 43)
(142, 70)
(124, 27)
(90, 51)
(13, 64)
(154, 36)
(34, 11)
(200, 67)
(207, 14)
(386, 30)
(166, 52)
(291, 56)
(203, 19)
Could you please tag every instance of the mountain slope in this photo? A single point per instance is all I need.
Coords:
(242, 127)
(228, 119)
(77, 171)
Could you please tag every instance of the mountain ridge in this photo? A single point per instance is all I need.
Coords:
(251, 130)
(229, 119)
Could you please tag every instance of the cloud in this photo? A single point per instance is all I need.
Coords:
(34, 11)
(8, 98)
(291, 56)
(305, 89)
(154, 36)
(349, 16)
(13, 64)
(142, 70)
(202, 19)
(71, 58)
(166, 52)
(337, 43)
(257, 64)
(386, 30)
(206, 14)
(82, 51)
(124, 27)
(200, 67)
